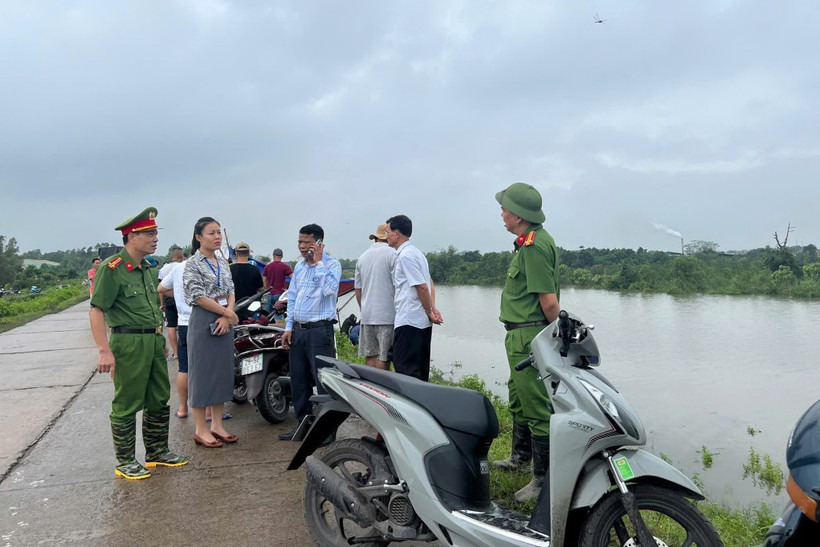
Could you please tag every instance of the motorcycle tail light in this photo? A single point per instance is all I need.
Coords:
(807, 504)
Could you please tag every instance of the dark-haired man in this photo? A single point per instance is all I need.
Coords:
(312, 297)
(415, 302)
(92, 272)
(247, 279)
(274, 277)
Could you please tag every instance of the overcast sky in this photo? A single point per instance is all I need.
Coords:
(700, 116)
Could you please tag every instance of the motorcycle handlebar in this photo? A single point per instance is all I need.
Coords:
(523, 364)
(564, 331)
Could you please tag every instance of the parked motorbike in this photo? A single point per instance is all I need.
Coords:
(261, 364)
(430, 479)
(799, 524)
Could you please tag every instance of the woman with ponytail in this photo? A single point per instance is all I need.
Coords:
(209, 290)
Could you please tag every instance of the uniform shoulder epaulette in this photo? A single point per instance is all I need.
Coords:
(529, 239)
(114, 263)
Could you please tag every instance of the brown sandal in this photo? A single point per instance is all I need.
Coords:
(227, 439)
(207, 444)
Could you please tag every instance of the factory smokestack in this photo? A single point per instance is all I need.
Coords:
(670, 232)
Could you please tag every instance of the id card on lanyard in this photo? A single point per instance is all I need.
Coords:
(222, 300)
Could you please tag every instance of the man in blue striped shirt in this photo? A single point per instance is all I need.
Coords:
(312, 297)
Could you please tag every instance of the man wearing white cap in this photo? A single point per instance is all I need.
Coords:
(374, 293)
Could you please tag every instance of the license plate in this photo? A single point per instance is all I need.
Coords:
(251, 364)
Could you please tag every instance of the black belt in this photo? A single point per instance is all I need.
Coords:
(314, 324)
(513, 326)
(127, 330)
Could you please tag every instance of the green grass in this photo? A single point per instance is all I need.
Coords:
(16, 310)
(737, 527)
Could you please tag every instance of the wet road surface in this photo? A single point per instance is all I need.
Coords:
(57, 483)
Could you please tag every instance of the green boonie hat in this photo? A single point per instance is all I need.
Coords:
(522, 200)
(143, 221)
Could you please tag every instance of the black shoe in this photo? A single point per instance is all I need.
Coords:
(289, 435)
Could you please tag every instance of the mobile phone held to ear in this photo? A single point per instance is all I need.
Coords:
(318, 242)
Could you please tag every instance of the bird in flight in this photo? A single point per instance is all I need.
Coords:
(598, 19)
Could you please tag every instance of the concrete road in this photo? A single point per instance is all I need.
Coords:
(57, 483)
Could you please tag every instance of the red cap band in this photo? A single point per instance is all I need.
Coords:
(139, 226)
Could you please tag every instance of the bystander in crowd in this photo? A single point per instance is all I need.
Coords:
(312, 297)
(375, 294)
(415, 302)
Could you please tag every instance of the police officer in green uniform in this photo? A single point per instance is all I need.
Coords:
(125, 299)
(528, 304)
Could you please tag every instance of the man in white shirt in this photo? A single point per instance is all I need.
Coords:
(374, 293)
(170, 303)
(171, 285)
(415, 302)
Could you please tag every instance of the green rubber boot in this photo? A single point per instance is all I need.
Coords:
(540, 468)
(155, 437)
(124, 433)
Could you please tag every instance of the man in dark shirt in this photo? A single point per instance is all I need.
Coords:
(247, 279)
(275, 274)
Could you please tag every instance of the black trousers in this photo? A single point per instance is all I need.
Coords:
(306, 344)
(411, 351)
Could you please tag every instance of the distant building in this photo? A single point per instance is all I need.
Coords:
(38, 263)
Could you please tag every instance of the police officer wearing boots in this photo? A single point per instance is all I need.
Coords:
(529, 303)
(125, 298)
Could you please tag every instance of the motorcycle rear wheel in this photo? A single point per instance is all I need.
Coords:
(272, 402)
(353, 459)
(240, 392)
(671, 518)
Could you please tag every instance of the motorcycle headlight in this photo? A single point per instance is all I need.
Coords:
(622, 419)
(606, 403)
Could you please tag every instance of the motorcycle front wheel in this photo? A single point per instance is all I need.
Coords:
(352, 459)
(671, 519)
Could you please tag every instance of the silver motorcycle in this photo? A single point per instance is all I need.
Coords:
(427, 477)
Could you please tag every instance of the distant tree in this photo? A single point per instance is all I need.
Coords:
(809, 254)
(697, 247)
(10, 262)
(775, 258)
(782, 246)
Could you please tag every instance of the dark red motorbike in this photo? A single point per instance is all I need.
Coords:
(260, 362)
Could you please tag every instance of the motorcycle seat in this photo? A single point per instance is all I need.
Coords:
(455, 408)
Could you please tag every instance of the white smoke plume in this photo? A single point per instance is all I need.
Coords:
(667, 230)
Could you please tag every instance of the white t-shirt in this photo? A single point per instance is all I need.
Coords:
(410, 271)
(374, 276)
(173, 279)
(166, 268)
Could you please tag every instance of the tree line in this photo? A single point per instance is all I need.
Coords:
(782, 271)
(792, 271)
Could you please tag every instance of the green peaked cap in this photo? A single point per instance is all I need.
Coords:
(522, 200)
(143, 221)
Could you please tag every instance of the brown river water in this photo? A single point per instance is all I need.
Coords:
(700, 371)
